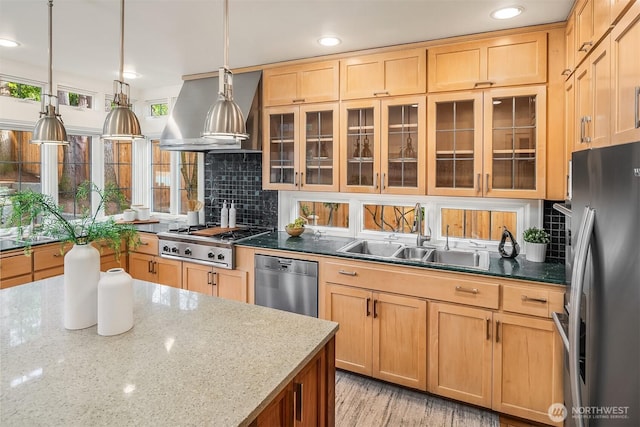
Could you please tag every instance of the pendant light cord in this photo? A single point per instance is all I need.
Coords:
(50, 50)
(225, 34)
(121, 40)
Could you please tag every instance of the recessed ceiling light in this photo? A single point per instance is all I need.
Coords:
(329, 41)
(507, 12)
(8, 43)
(130, 75)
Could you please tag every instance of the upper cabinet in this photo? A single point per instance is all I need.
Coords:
(570, 42)
(299, 84)
(504, 61)
(300, 150)
(625, 72)
(385, 74)
(383, 145)
(593, 19)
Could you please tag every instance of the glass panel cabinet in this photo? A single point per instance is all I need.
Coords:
(384, 146)
(300, 148)
(489, 143)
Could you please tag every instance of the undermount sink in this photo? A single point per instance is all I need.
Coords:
(470, 258)
(373, 248)
(414, 253)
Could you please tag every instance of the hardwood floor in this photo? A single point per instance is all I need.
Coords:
(362, 401)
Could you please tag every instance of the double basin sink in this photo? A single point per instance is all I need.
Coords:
(423, 254)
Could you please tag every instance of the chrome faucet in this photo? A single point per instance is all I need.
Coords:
(446, 244)
(417, 226)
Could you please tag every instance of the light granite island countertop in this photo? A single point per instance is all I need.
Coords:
(190, 359)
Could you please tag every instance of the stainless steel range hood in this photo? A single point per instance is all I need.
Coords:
(186, 122)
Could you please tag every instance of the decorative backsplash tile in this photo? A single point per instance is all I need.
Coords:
(554, 224)
(238, 177)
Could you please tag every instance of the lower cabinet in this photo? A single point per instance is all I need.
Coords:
(155, 269)
(229, 284)
(509, 363)
(15, 269)
(381, 335)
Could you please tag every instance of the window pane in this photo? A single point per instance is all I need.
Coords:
(188, 180)
(75, 99)
(20, 90)
(477, 224)
(19, 162)
(117, 171)
(74, 168)
(159, 109)
(326, 214)
(396, 219)
(160, 178)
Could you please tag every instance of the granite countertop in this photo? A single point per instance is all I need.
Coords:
(190, 359)
(518, 268)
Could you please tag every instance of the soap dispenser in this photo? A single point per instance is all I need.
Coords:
(232, 215)
(224, 215)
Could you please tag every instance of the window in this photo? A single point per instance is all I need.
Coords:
(74, 168)
(158, 109)
(328, 214)
(20, 89)
(477, 224)
(74, 98)
(389, 218)
(108, 103)
(117, 171)
(160, 178)
(188, 181)
(19, 162)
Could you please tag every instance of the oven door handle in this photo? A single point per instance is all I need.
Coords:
(196, 261)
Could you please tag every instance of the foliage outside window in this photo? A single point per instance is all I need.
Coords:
(19, 162)
(477, 224)
(160, 178)
(20, 90)
(389, 218)
(74, 168)
(81, 100)
(327, 214)
(188, 180)
(159, 109)
(117, 172)
(108, 103)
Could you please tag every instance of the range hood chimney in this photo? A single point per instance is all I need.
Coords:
(186, 122)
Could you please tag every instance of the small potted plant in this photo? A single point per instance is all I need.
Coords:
(296, 227)
(535, 244)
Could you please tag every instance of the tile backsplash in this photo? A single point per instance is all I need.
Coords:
(554, 224)
(238, 177)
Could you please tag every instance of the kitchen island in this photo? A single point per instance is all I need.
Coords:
(190, 359)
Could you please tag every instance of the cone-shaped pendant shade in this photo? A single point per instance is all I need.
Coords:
(121, 124)
(49, 129)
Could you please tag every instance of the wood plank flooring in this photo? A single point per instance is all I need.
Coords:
(365, 402)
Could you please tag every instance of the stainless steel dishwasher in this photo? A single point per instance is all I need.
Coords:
(287, 284)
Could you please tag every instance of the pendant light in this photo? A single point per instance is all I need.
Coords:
(224, 121)
(121, 123)
(49, 127)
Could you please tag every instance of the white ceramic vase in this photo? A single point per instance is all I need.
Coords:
(115, 302)
(81, 276)
(535, 252)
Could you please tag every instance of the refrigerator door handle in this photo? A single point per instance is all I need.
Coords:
(561, 331)
(637, 109)
(577, 284)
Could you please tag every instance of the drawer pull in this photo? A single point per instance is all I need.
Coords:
(467, 290)
(298, 100)
(382, 92)
(144, 243)
(348, 273)
(584, 46)
(58, 255)
(488, 82)
(298, 400)
(526, 298)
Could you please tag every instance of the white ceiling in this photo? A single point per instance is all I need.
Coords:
(165, 39)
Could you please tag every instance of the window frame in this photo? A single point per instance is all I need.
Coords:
(20, 80)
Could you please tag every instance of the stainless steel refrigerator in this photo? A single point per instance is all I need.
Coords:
(601, 324)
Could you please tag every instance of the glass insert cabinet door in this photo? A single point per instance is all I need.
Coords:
(360, 155)
(281, 162)
(455, 144)
(515, 130)
(403, 146)
(319, 147)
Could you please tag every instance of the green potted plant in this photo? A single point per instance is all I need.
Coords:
(535, 244)
(82, 262)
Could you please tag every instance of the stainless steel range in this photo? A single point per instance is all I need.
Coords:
(205, 244)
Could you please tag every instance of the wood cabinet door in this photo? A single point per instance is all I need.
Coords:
(280, 86)
(279, 412)
(361, 77)
(460, 347)
(600, 60)
(141, 266)
(618, 8)
(168, 272)
(110, 261)
(400, 340)
(230, 284)
(571, 124)
(280, 167)
(625, 73)
(198, 278)
(455, 67)
(584, 29)
(49, 256)
(319, 147)
(454, 144)
(307, 392)
(527, 367)
(515, 130)
(601, 18)
(570, 43)
(351, 308)
(318, 82)
(15, 269)
(583, 106)
(404, 72)
(517, 60)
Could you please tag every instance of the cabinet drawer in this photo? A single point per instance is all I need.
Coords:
(50, 256)
(464, 291)
(148, 245)
(528, 300)
(14, 265)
